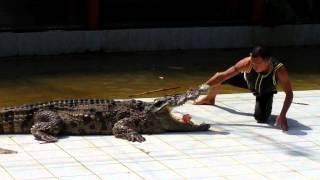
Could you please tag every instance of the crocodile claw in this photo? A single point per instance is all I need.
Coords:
(135, 137)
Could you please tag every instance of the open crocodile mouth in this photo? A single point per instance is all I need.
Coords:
(176, 116)
(174, 100)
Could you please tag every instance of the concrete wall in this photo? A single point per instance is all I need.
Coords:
(58, 42)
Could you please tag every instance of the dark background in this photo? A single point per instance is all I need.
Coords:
(38, 15)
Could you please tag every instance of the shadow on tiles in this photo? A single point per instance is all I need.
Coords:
(295, 127)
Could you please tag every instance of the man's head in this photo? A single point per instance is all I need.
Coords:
(260, 59)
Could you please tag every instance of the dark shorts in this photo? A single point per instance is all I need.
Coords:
(263, 105)
(237, 81)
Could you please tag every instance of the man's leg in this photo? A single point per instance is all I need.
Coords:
(263, 108)
(208, 99)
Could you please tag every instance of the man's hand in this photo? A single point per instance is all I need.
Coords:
(281, 122)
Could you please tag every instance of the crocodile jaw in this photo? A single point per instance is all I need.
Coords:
(175, 100)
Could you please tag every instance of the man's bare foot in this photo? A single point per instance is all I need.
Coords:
(204, 101)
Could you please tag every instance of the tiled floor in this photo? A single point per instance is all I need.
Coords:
(235, 148)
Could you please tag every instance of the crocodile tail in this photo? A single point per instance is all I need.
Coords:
(16, 121)
(6, 122)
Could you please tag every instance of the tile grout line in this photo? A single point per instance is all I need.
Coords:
(278, 162)
(159, 161)
(257, 152)
(187, 155)
(113, 159)
(245, 146)
(5, 169)
(35, 159)
(78, 160)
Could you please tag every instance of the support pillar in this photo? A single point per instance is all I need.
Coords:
(259, 11)
(93, 14)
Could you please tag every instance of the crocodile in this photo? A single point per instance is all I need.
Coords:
(126, 119)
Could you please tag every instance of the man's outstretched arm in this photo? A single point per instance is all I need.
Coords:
(220, 77)
(284, 82)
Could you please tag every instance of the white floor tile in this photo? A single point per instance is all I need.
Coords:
(20, 156)
(19, 164)
(121, 149)
(218, 161)
(252, 158)
(51, 154)
(39, 147)
(145, 166)
(74, 144)
(161, 174)
(230, 170)
(162, 155)
(4, 175)
(85, 151)
(267, 167)
(85, 177)
(65, 171)
(289, 175)
(29, 173)
(57, 162)
(188, 145)
(311, 174)
(131, 157)
(107, 168)
(200, 153)
(182, 163)
(96, 159)
(252, 176)
(24, 139)
(121, 176)
(5, 139)
(302, 165)
(202, 172)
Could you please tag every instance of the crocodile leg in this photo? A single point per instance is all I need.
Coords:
(125, 129)
(43, 136)
(47, 125)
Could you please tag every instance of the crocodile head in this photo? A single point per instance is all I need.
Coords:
(164, 120)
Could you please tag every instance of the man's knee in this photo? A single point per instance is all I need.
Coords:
(263, 109)
(261, 117)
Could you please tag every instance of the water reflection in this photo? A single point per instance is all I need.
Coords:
(43, 78)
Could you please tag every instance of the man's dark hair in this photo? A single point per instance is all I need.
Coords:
(260, 51)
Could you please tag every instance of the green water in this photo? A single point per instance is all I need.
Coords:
(43, 78)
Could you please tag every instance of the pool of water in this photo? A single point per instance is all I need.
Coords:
(121, 75)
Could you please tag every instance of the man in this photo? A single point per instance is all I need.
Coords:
(259, 73)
